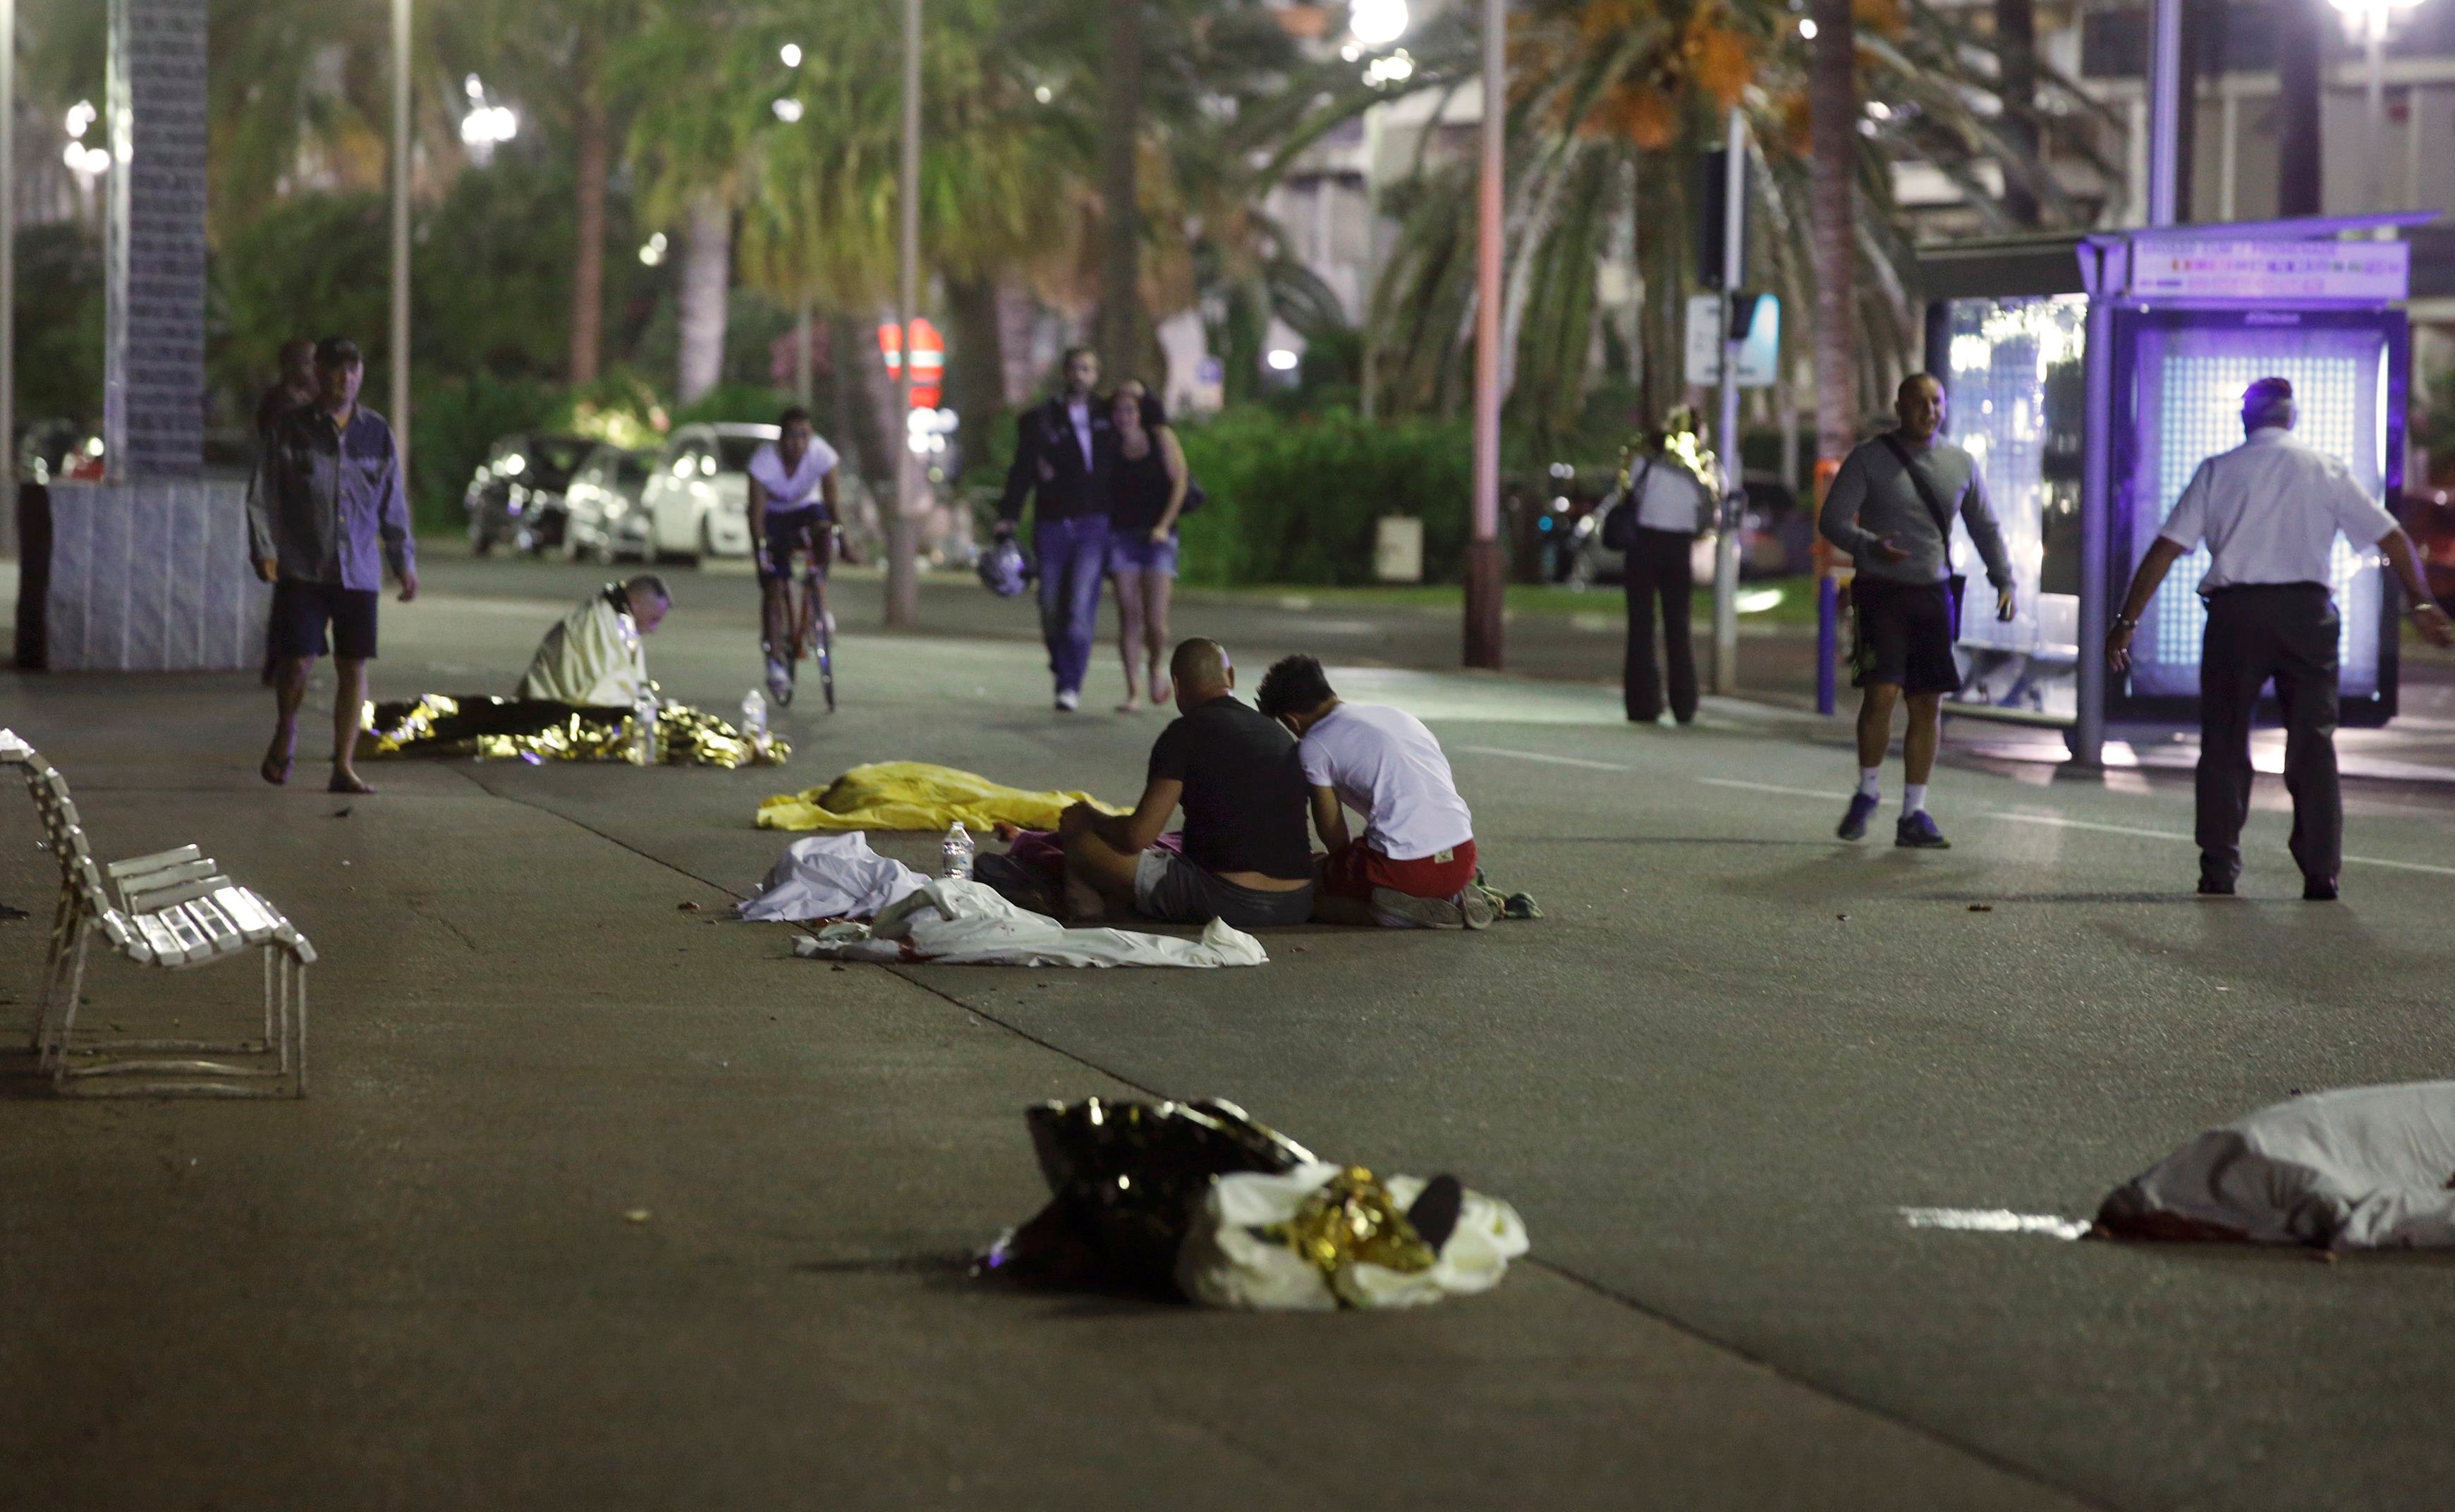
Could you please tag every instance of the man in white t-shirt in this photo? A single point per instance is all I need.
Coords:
(1414, 865)
(2269, 510)
(792, 507)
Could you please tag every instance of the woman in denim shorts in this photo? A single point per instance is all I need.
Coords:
(1146, 496)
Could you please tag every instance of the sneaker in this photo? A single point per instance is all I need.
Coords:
(1475, 908)
(1853, 824)
(2317, 888)
(1417, 913)
(2215, 887)
(1918, 833)
(779, 680)
(1068, 701)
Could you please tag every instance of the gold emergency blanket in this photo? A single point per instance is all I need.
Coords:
(535, 731)
(1353, 1218)
(916, 796)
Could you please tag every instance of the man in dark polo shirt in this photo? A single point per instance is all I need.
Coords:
(1247, 856)
(326, 513)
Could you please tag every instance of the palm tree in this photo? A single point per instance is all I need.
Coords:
(1612, 100)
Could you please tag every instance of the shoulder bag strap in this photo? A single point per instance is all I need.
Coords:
(1926, 495)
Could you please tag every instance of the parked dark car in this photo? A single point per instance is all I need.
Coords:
(2429, 519)
(1776, 539)
(515, 497)
(604, 521)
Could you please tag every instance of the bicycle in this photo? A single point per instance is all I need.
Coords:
(812, 637)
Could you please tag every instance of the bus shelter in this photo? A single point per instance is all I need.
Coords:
(2089, 375)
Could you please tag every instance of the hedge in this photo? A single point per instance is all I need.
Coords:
(1297, 499)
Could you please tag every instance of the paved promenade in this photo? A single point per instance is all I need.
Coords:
(1712, 1081)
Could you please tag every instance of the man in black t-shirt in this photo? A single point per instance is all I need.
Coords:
(1248, 858)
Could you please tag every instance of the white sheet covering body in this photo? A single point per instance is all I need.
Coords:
(2357, 1168)
(593, 657)
(831, 876)
(963, 923)
(1230, 1259)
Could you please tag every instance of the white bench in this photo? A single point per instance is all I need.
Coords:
(172, 911)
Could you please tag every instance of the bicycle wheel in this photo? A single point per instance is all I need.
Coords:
(823, 645)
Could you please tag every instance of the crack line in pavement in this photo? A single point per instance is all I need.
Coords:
(1585, 1283)
(1016, 1030)
(1936, 1436)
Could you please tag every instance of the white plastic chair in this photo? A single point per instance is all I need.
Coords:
(172, 911)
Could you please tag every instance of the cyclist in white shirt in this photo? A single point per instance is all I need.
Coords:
(792, 508)
(2269, 510)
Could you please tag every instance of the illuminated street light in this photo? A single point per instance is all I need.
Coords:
(1377, 23)
(1281, 360)
(788, 109)
(2369, 18)
(1807, 28)
(791, 53)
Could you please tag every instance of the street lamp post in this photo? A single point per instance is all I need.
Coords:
(400, 66)
(902, 533)
(1483, 565)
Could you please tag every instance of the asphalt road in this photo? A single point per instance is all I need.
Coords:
(1713, 1081)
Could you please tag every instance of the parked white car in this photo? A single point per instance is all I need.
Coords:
(604, 521)
(697, 497)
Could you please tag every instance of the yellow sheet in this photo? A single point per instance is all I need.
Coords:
(916, 795)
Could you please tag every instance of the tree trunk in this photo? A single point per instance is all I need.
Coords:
(1832, 108)
(2300, 54)
(707, 279)
(975, 359)
(593, 151)
(1120, 337)
(2015, 48)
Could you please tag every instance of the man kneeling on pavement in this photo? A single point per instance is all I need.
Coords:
(1246, 858)
(1245, 784)
(1414, 865)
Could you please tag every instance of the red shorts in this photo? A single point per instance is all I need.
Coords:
(1356, 870)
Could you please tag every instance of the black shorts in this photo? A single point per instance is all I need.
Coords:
(1905, 633)
(805, 528)
(300, 612)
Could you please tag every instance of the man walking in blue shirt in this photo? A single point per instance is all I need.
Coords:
(1065, 459)
(326, 513)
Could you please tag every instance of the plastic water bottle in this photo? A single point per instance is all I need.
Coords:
(643, 729)
(753, 717)
(958, 850)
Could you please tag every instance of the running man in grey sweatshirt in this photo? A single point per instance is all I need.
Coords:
(1890, 507)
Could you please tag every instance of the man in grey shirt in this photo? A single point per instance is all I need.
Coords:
(1890, 508)
(326, 513)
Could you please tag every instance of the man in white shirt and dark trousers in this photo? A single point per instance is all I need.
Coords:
(2269, 510)
(1654, 524)
(1890, 508)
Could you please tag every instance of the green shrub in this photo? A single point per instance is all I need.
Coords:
(1296, 500)
(735, 403)
(456, 421)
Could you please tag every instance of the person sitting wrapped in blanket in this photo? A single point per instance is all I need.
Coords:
(1413, 867)
(597, 656)
(583, 698)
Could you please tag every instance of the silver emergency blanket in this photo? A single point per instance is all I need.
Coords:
(965, 923)
(831, 876)
(2357, 1168)
(593, 659)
